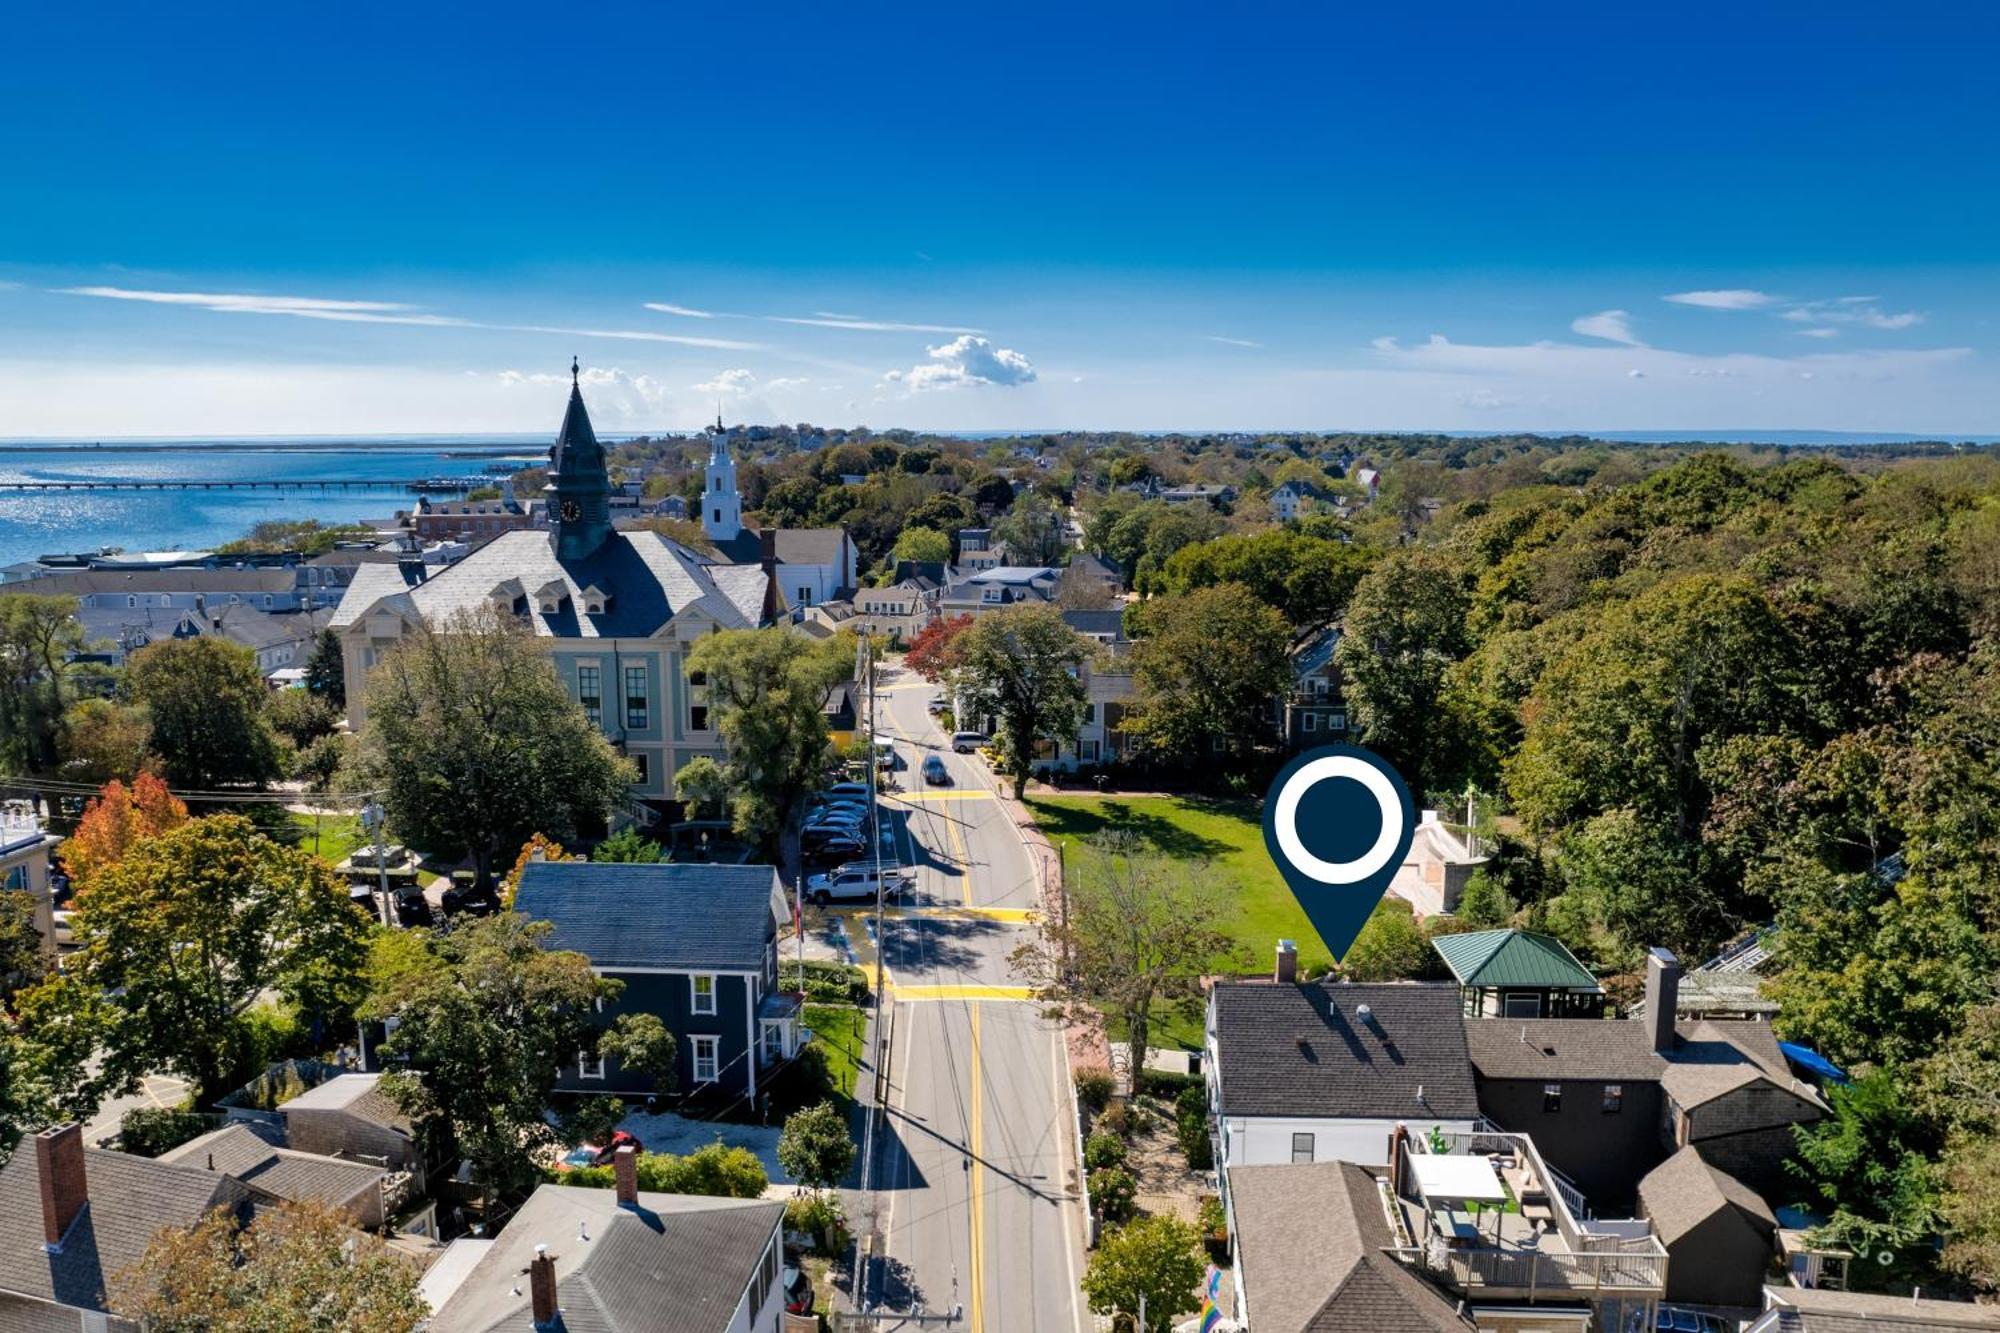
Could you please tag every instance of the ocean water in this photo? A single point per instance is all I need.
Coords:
(36, 522)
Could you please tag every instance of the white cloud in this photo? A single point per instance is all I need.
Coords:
(686, 311)
(1610, 325)
(1230, 342)
(1820, 331)
(300, 307)
(784, 382)
(830, 321)
(966, 361)
(1726, 298)
(374, 312)
(1861, 311)
(730, 384)
(1635, 374)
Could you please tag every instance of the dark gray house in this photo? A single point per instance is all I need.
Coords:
(1314, 713)
(1719, 1233)
(695, 945)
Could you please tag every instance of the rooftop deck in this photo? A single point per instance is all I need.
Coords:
(1512, 1228)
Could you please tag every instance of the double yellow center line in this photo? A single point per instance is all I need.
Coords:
(976, 1186)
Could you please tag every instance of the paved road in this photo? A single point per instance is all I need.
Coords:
(973, 1162)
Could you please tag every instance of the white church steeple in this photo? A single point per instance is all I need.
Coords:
(721, 506)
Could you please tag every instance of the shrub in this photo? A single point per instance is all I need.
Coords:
(715, 1170)
(147, 1131)
(825, 982)
(818, 1216)
(1191, 1127)
(1163, 1083)
(1214, 1221)
(1104, 1150)
(1093, 1087)
(1117, 1119)
(1114, 1194)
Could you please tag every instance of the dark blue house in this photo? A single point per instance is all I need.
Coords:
(696, 945)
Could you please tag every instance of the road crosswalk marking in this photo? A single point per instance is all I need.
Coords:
(939, 796)
(963, 992)
(960, 913)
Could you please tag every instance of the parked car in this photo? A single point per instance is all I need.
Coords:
(470, 900)
(935, 773)
(856, 881)
(798, 1291)
(966, 742)
(860, 789)
(833, 851)
(413, 909)
(65, 936)
(852, 820)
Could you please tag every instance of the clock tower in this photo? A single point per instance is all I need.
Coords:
(579, 489)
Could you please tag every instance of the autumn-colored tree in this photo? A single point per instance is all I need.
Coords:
(933, 651)
(117, 820)
(299, 1266)
(537, 848)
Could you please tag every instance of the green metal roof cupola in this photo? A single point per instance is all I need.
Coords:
(579, 489)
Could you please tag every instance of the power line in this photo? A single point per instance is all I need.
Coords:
(59, 787)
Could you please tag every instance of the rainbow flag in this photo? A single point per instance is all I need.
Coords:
(1210, 1315)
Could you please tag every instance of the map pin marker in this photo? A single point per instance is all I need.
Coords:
(1338, 822)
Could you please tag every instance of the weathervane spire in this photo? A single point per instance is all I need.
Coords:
(575, 368)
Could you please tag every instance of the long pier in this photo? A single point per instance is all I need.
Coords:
(433, 485)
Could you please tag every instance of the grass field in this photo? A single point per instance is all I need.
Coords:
(841, 1032)
(1227, 835)
(338, 835)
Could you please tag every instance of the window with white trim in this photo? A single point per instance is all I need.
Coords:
(706, 1058)
(589, 1064)
(590, 692)
(703, 984)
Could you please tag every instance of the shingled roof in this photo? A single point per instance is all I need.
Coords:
(673, 915)
(674, 1264)
(1684, 1191)
(1817, 1310)
(1354, 1051)
(1310, 1241)
(1709, 1058)
(238, 1151)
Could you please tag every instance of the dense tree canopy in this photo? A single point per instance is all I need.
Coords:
(206, 698)
(1021, 666)
(475, 744)
(1206, 670)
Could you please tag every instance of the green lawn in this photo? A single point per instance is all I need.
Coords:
(338, 835)
(841, 1031)
(1226, 834)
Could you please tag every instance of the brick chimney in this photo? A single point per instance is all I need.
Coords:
(1663, 995)
(1287, 970)
(65, 1188)
(542, 1287)
(625, 1171)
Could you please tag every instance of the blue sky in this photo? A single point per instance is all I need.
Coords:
(281, 219)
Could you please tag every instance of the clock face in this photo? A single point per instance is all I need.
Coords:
(570, 510)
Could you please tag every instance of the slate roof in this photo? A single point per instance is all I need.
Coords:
(676, 1264)
(1512, 958)
(649, 578)
(682, 916)
(1709, 1058)
(1111, 622)
(238, 1151)
(198, 579)
(1306, 1050)
(1315, 652)
(1310, 1241)
(1684, 1191)
(360, 1095)
(1817, 1310)
(131, 1199)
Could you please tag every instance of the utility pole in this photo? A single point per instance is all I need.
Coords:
(373, 821)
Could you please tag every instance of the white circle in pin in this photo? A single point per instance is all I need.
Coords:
(1286, 819)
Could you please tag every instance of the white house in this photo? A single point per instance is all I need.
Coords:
(1320, 1072)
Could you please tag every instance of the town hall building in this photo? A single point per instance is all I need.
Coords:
(617, 610)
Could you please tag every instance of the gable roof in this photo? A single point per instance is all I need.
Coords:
(1310, 1050)
(649, 578)
(1684, 1191)
(682, 916)
(1511, 958)
(1709, 1058)
(131, 1200)
(1315, 651)
(796, 546)
(675, 1264)
(1310, 1241)
(239, 1152)
(359, 1095)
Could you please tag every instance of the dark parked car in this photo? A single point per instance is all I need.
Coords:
(469, 900)
(413, 909)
